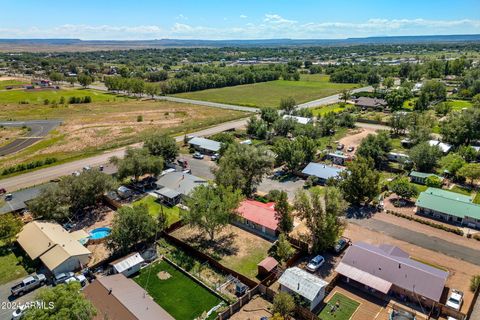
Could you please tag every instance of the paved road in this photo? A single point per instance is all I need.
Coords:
(5, 297)
(38, 130)
(420, 239)
(47, 174)
(330, 99)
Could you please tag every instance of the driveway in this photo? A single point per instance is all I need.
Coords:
(38, 130)
(6, 310)
(420, 239)
(290, 185)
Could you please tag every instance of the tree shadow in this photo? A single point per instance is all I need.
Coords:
(222, 245)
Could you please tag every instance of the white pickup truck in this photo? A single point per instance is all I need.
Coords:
(28, 284)
(455, 299)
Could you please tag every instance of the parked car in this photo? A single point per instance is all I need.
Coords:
(87, 168)
(350, 149)
(75, 173)
(198, 155)
(8, 197)
(78, 278)
(101, 168)
(28, 284)
(18, 313)
(455, 299)
(183, 162)
(215, 157)
(341, 245)
(2, 191)
(340, 146)
(315, 263)
(60, 278)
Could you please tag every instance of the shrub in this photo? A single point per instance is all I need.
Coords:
(475, 283)
(139, 118)
(46, 101)
(28, 166)
(428, 223)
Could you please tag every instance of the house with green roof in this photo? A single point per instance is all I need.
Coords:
(449, 206)
(420, 177)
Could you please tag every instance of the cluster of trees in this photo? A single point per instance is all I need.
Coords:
(75, 100)
(27, 166)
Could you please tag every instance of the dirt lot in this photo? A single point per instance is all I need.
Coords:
(8, 134)
(233, 247)
(460, 271)
(354, 138)
(90, 127)
(254, 310)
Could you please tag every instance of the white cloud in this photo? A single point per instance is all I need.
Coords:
(242, 16)
(181, 17)
(271, 26)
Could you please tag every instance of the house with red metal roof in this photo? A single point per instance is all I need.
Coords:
(258, 218)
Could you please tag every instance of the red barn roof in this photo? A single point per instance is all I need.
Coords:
(259, 213)
(268, 264)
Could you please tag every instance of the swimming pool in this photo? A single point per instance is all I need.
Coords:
(100, 233)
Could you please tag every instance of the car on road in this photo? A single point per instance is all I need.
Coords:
(60, 278)
(350, 149)
(455, 300)
(198, 155)
(18, 313)
(87, 168)
(315, 263)
(341, 245)
(8, 197)
(28, 284)
(183, 163)
(340, 146)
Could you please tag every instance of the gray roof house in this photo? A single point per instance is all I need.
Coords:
(389, 269)
(21, 198)
(322, 171)
(204, 145)
(172, 186)
(373, 103)
(305, 284)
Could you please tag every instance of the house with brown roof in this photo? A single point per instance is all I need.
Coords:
(258, 218)
(58, 249)
(371, 103)
(388, 270)
(118, 297)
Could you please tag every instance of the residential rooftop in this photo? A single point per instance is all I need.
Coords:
(452, 203)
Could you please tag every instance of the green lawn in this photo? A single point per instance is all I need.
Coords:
(179, 295)
(38, 97)
(461, 190)
(346, 309)
(477, 198)
(262, 94)
(6, 83)
(420, 187)
(330, 108)
(173, 213)
(409, 104)
(10, 266)
(459, 104)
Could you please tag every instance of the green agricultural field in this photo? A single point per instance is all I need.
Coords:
(459, 104)
(310, 87)
(336, 107)
(39, 97)
(174, 291)
(173, 213)
(346, 308)
(6, 83)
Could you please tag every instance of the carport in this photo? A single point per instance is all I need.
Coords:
(364, 278)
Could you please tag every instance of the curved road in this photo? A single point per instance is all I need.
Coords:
(38, 130)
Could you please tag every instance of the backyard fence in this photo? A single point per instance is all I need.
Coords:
(235, 307)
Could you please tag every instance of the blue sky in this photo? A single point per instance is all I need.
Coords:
(243, 19)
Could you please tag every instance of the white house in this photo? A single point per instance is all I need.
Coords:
(128, 265)
(308, 286)
(301, 120)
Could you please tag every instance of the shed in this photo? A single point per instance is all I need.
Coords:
(311, 288)
(266, 266)
(128, 265)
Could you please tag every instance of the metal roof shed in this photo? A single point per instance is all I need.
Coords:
(128, 265)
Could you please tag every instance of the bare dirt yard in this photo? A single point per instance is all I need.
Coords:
(460, 271)
(233, 247)
(92, 127)
(255, 309)
(354, 137)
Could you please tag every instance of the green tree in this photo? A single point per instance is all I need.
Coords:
(398, 123)
(461, 127)
(452, 163)
(468, 153)
(10, 225)
(131, 225)
(395, 98)
(403, 188)
(433, 181)
(283, 304)
(295, 154)
(475, 283)
(360, 182)
(345, 95)
(283, 249)
(85, 80)
(72, 81)
(55, 76)
(425, 156)
(388, 82)
(162, 145)
(257, 127)
(211, 208)
(420, 126)
(269, 115)
(64, 301)
(288, 105)
(470, 171)
(137, 162)
(375, 147)
(283, 213)
(243, 167)
(152, 89)
(322, 220)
